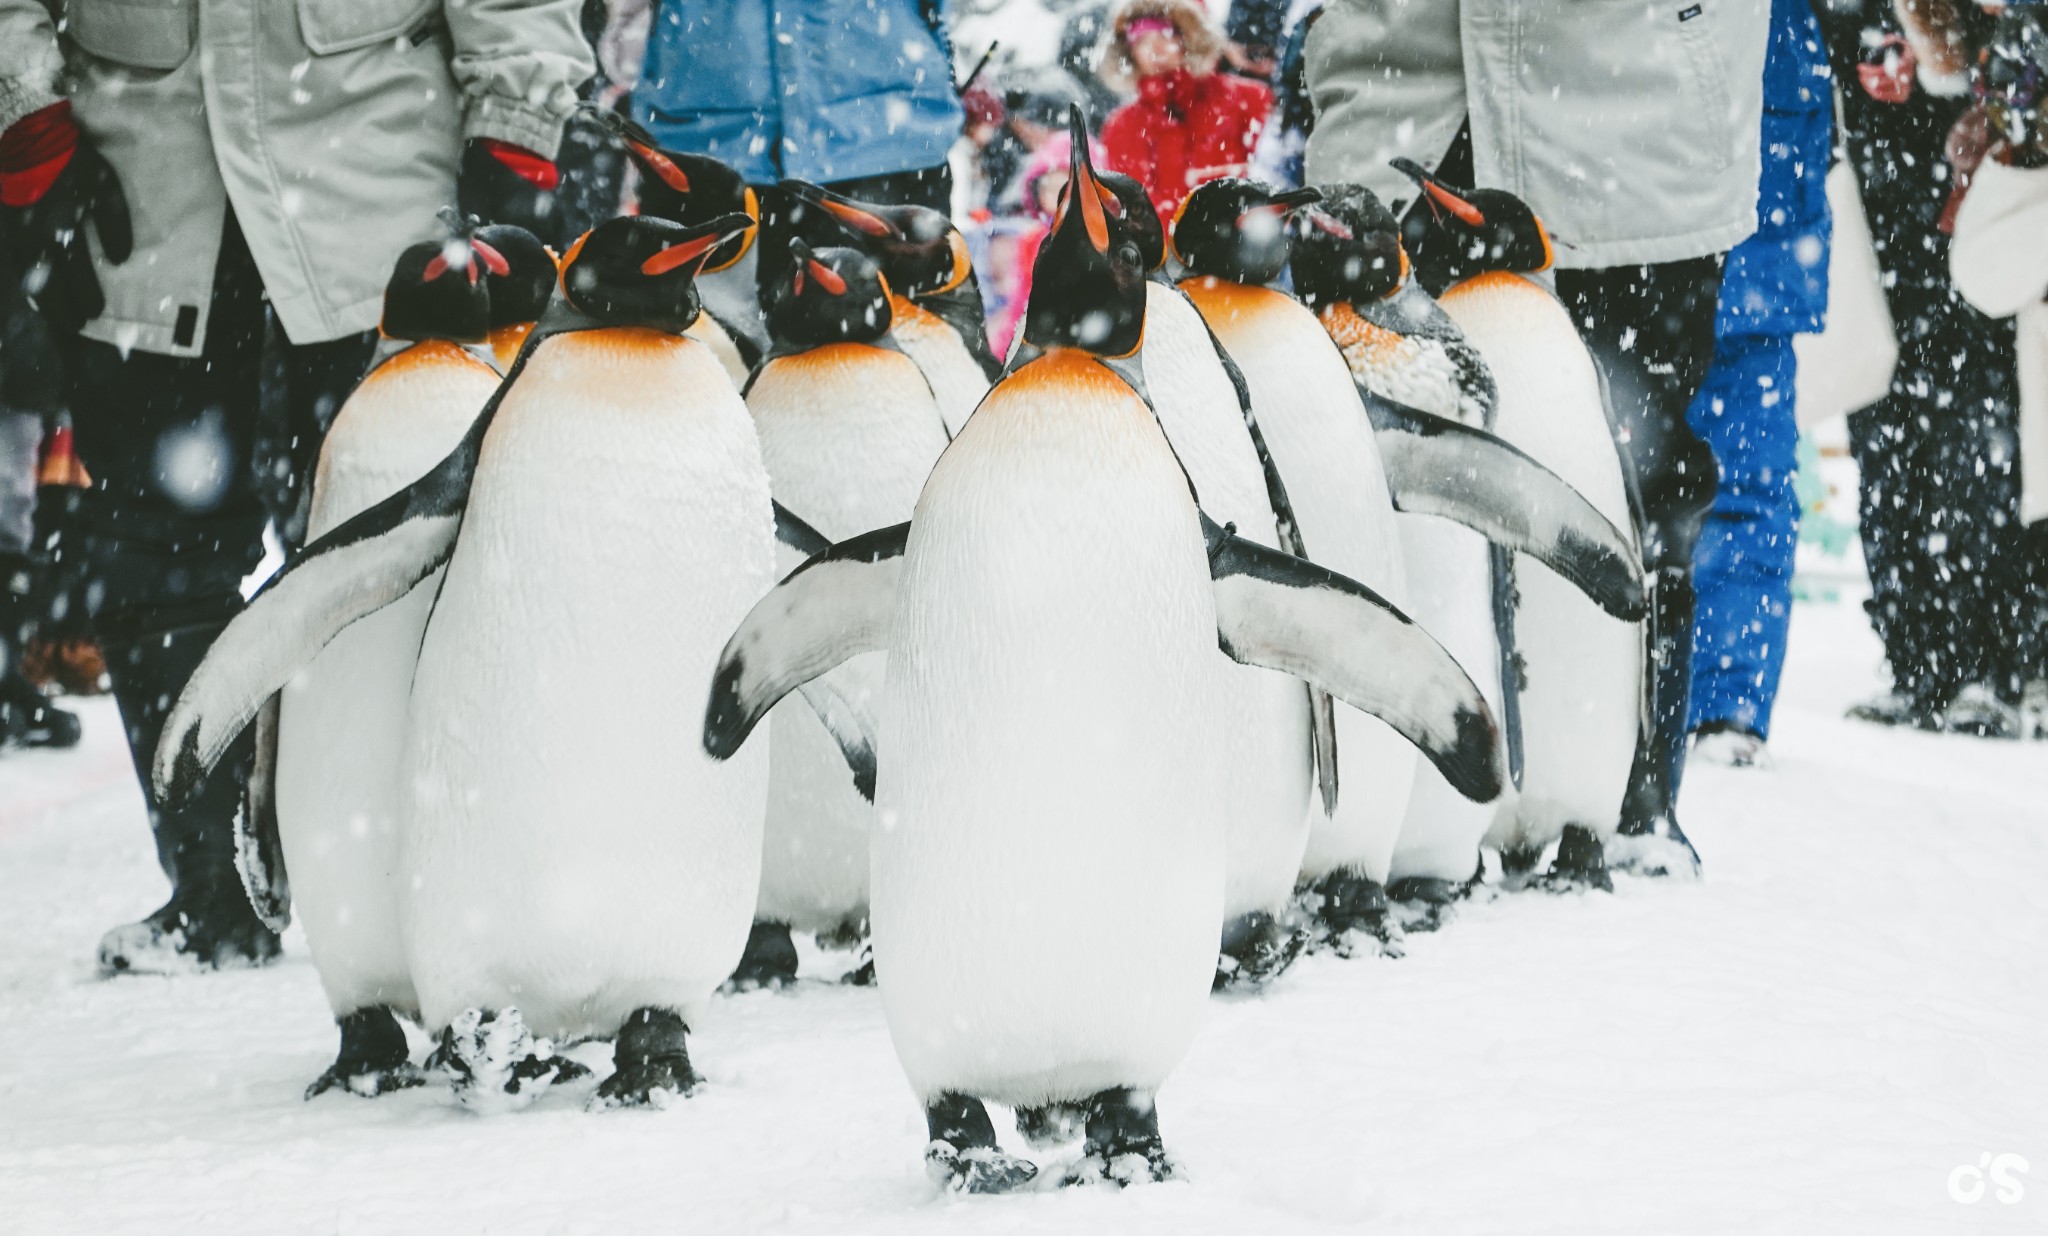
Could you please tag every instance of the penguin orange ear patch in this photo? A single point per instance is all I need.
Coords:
(678, 255)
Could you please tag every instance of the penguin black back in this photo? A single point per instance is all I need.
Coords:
(438, 290)
(1467, 232)
(1236, 229)
(1346, 249)
(641, 271)
(832, 295)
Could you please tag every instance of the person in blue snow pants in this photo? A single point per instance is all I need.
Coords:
(1775, 287)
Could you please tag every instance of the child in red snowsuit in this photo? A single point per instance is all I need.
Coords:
(1188, 125)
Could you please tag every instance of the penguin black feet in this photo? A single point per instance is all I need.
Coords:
(1661, 850)
(651, 1065)
(1344, 905)
(494, 1064)
(962, 1156)
(1054, 1124)
(1580, 865)
(1123, 1146)
(373, 1059)
(1257, 948)
(1424, 903)
(770, 959)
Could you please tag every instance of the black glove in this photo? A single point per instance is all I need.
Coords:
(503, 183)
(2013, 82)
(45, 225)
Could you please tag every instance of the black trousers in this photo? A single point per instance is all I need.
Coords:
(190, 459)
(1651, 331)
(1959, 588)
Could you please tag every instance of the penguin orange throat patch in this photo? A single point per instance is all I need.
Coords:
(907, 317)
(427, 354)
(1075, 374)
(1220, 298)
(507, 340)
(1366, 347)
(1488, 281)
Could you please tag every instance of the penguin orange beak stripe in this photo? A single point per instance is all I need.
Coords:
(1452, 202)
(857, 219)
(661, 165)
(826, 277)
(678, 255)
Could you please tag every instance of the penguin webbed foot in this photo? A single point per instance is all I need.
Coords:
(962, 1155)
(852, 936)
(1123, 1147)
(374, 1058)
(493, 1063)
(1425, 903)
(1054, 1124)
(1347, 910)
(1579, 866)
(1257, 948)
(769, 961)
(1659, 849)
(651, 1063)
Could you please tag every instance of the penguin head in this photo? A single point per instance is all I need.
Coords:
(689, 189)
(520, 291)
(1087, 284)
(1236, 229)
(641, 271)
(1465, 232)
(1134, 220)
(1347, 248)
(920, 250)
(832, 295)
(439, 290)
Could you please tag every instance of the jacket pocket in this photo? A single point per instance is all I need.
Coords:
(143, 34)
(1699, 36)
(331, 26)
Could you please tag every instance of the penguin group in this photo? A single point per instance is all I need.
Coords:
(1214, 625)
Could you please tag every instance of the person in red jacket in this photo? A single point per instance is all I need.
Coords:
(1188, 125)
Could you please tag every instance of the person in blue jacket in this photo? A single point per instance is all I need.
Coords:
(1774, 287)
(853, 94)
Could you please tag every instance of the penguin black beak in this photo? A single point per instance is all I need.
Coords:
(696, 244)
(1084, 191)
(1295, 199)
(810, 270)
(850, 214)
(1441, 197)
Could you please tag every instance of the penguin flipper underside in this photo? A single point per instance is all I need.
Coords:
(1287, 614)
(835, 606)
(352, 572)
(1436, 466)
(259, 852)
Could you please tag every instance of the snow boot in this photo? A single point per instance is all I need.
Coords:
(962, 1156)
(209, 928)
(651, 1065)
(1729, 745)
(1896, 707)
(1978, 712)
(373, 1059)
(1123, 1146)
(27, 719)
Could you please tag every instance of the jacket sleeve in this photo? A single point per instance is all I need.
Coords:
(1997, 258)
(518, 63)
(30, 59)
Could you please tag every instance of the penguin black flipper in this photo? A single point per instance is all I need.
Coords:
(1287, 614)
(797, 534)
(1322, 710)
(835, 606)
(849, 725)
(259, 853)
(1436, 466)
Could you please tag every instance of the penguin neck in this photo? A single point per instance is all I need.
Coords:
(389, 349)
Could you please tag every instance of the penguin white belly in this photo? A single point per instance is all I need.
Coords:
(571, 850)
(1316, 429)
(341, 724)
(849, 433)
(1267, 780)
(1583, 668)
(1048, 860)
(956, 378)
(1450, 593)
(707, 331)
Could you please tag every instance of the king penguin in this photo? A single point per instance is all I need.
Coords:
(939, 321)
(692, 189)
(1206, 413)
(1584, 670)
(1048, 861)
(1232, 236)
(605, 520)
(1466, 499)
(341, 723)
(849, 431)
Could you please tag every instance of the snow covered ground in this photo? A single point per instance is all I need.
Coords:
(1850, 1007)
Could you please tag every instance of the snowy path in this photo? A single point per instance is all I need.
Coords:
(1852, 1005)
